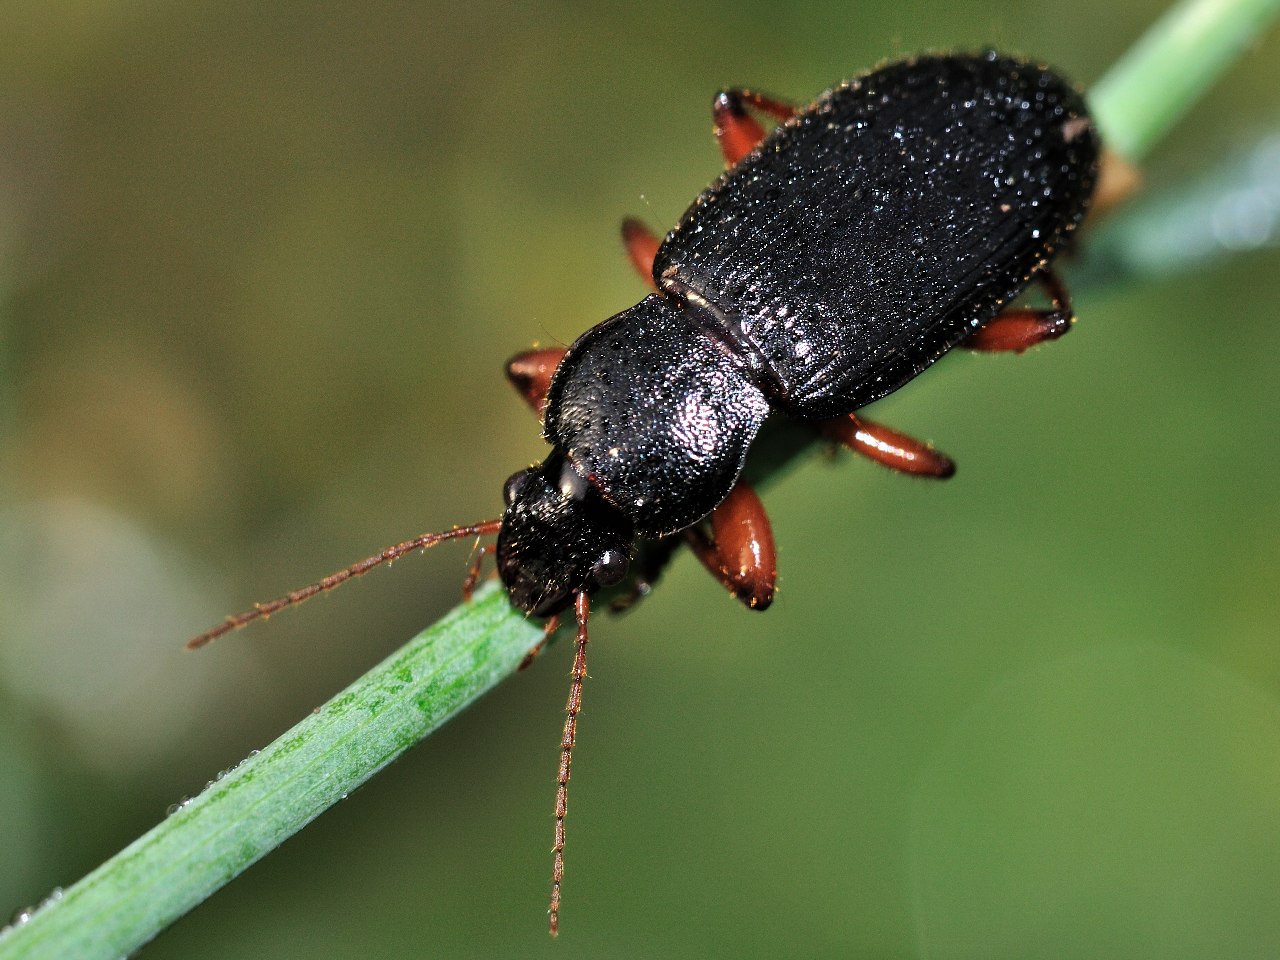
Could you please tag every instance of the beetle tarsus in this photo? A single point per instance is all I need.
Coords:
(1118, 180)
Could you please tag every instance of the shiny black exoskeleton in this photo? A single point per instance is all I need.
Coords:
(860, 241)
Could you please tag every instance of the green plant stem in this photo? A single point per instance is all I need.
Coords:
(254, 807)
(1165, 72)
(270, 796)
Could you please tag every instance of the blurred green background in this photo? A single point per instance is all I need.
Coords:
(260, 266)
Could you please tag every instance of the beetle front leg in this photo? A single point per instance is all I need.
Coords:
(550, 627)
(530, 373)
(737, 132)
(473, 571)
(1020, 328)
(889, 447)
(739, 550)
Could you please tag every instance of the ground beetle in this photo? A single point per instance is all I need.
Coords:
(839, 255)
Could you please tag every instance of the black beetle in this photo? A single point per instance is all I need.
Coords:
(839, 255)
(867, 236)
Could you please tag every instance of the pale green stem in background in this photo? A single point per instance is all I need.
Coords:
(1225, 210)
(253, 808)
(1167, 70)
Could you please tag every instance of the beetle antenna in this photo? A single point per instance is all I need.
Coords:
(582, 608)
(264, 610)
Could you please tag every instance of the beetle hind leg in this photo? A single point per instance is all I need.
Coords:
(1020, 328)
(737, 131)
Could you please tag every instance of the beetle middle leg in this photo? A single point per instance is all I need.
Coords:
(1020, 328)
(889, 447)
(738, 549)
(737, 131)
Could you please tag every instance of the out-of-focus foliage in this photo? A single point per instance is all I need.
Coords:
(260, 265)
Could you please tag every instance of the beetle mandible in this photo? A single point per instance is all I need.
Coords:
(839, 255)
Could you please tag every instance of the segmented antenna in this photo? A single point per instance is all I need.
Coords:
(262, 610)
(582, 608)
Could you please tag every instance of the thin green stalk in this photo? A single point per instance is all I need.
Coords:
(1167, 70)
(271, 795)
(254, 807)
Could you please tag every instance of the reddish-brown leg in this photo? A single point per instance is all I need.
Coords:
(548, 628)
(1020, 328)
(739, 550)
(530, 373)
(642, 246)
(473, 571)
(889, 447)
(737, 131)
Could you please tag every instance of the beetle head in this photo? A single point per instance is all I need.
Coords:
(559, 537)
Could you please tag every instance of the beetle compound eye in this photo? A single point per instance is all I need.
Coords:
(514, 485)
(610, 568)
